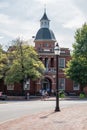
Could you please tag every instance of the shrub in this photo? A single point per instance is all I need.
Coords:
(82, 95)
(62, 94)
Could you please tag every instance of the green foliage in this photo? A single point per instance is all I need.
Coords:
(3, 63)
(22, 61)
(80, 45)
(82, 95)
(62, 94)
(77, 67)
(77, 71)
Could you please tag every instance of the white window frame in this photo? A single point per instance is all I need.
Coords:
(61, 66)
(10, 87)
(76, 87)
(27, 85)
(62, 86)
(46, 45)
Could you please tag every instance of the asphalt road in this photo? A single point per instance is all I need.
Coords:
(10, 110)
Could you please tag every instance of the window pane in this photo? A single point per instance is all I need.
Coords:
(61, 83)
(61, 63)
(75, 86)
(10, 87)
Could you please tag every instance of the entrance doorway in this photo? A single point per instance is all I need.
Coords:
(46, 84)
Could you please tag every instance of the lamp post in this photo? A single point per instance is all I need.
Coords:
(57, 53)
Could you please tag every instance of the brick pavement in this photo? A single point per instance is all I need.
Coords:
(71, 118)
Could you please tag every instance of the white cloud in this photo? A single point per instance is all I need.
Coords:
(21, 18)
(18, 28)
(65, 40)
(45, 1)
(3, 5)
(75, 23)
(78, 18)
(5, 19)
(1, 37)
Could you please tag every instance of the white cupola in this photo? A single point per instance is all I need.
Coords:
(44, 21)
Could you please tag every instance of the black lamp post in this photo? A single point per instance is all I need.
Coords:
(57, 53)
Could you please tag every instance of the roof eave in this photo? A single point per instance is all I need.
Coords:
(45, 40)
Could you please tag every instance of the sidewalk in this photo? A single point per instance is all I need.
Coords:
(71, 118)
(51, 98)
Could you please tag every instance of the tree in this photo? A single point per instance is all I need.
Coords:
(3, 63)
(23, 63)
(80, 45)
(77, 66)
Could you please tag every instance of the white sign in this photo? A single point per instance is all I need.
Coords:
(10, 87)
(46, 49)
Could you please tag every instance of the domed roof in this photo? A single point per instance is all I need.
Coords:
(45, 34)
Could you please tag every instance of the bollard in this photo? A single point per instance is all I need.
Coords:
(28, 96)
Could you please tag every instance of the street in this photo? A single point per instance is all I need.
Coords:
(10, 110)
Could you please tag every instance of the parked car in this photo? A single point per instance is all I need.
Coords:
(3, 96)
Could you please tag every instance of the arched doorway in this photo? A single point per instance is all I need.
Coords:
(46, 84)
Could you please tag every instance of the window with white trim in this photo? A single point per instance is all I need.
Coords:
(75, 86)
(61, 62)
(61, 84)
(10, 87)
(27, 85)
(45, 44)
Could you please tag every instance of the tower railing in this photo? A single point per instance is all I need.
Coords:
(50, 70)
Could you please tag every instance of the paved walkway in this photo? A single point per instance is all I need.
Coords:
(53, 98)
(71, 118)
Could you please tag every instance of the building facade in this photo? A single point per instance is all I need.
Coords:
(44, 44)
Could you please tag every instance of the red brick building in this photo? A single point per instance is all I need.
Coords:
(44, 44)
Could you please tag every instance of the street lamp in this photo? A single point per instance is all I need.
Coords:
(57, 53)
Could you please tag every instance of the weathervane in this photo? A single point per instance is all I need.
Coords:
(44, 8)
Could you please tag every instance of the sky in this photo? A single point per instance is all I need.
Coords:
(20, 18)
